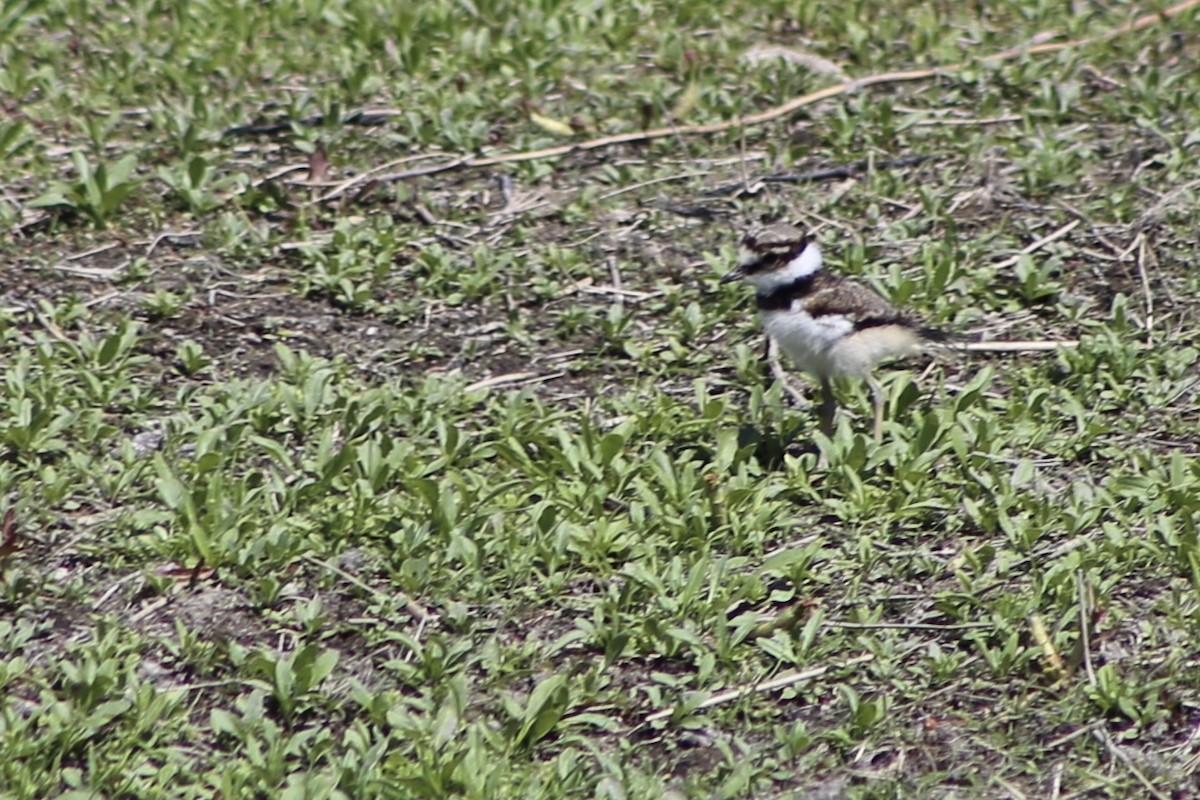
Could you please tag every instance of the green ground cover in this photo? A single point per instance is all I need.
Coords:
(322, 481)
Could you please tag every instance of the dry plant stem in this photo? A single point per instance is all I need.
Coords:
(102, 299)
(341, 187)
(1116, 750)
(1147, 295)
(1032, 346)
(94, 273)
(1013, 791)
(1056, 782)
(1040, 243)
(422, 614)
(499, 380)
(614, 272)
(905, 626)
(1085, 615)
(1049, 652)
(926, 123)
(513, 379)
(1073, 735)
(95, 251)
(655, 133)
(654, 182)
(108, 593)
(778, 682)
(149, 609)
(157, 240)
(846, 87)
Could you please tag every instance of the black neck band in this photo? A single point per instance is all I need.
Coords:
(780, 298)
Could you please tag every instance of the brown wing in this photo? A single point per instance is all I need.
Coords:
(853, 301)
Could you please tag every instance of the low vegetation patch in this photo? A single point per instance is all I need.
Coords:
(373, 423)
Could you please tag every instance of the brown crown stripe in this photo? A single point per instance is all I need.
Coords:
(772, 254)
(777, 246)
(775, 236)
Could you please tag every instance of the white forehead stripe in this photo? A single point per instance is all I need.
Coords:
(746, 256)
(805, 264)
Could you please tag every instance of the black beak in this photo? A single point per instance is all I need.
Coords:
(735, 274)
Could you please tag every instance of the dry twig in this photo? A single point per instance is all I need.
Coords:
(511, 379)
(770, 114)
(1101, 735)
(778, 682)
(1144, 253)
(1039, 244)
(906, 626)
(419, 612)
(1031, 346)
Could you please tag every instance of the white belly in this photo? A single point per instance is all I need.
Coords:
(828, 346)
(807, 340)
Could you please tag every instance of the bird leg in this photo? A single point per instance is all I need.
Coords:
(828, 407)
(781, 375)
(877, 400)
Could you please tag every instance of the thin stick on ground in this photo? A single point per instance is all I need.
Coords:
(1147, 295)
(906, 626)
(1031, 346)
(1085, 622)
(511, 379)
(418, 611)
(618, 285)
(778, 682)
(1120, 754)
(1039, 244)
(950, 123)
(654, 182)
(770, 114)
(1073, 735)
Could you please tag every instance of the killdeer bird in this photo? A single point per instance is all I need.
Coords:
(831, 327)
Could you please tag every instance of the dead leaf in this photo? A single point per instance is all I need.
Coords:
(318, 165)
(686, 102)
(10, 541)
(181, 573)
(551, 125)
